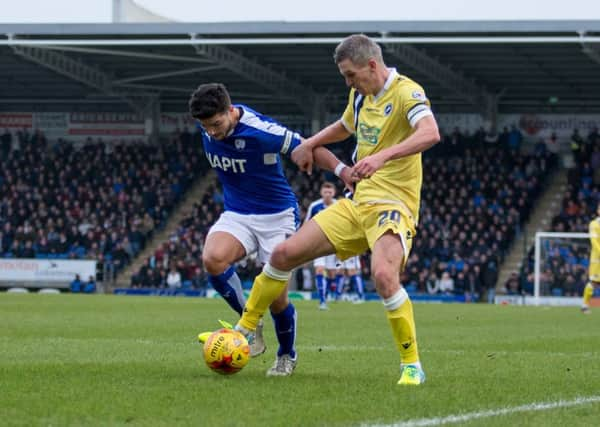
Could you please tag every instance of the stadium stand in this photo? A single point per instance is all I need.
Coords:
(478, 190)
(564, 269)
(183, 250)
(583, 191)
(95, 200)
(104, 200)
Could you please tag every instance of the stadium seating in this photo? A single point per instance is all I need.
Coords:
(183, 249)
(564, 269)
(583, 191)
(475, 198)
(98, 200)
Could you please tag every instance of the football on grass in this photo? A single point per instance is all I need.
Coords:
(226, 351)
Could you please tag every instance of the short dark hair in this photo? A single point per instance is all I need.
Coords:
(209, 99)
(328, 184)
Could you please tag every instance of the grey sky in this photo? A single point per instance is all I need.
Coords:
(34, 11)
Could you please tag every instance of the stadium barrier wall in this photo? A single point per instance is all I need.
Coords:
(543, 300)
(41, 273)
(81, 125)
(294, 295)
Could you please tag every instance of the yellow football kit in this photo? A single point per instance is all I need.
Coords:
(594, 268)
(388, 200)
(594, 231)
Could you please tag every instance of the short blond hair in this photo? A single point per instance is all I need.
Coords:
(358, 48)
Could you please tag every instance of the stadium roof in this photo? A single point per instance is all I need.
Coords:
(286, 68)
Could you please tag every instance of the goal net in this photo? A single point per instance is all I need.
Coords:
(561, 262)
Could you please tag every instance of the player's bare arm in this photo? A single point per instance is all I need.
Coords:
(326, 160)
(335, 132)
(425, 136)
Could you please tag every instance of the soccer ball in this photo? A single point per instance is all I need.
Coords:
(226, 351)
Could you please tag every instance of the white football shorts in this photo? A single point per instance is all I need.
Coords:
(330, 262)
(352, 263)
(258, 233)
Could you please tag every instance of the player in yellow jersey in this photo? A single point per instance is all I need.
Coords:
(393, 123)
(594, 275)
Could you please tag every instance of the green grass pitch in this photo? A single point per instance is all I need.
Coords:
(106, 360)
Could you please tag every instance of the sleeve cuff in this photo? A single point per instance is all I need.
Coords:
(348, 128)
(417, 113)
(290, 141)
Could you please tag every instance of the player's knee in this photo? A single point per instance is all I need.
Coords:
(387, 283)
(280, 258)
(385, 277)
(212, 263)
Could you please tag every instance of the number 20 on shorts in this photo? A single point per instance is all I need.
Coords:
(386, 216)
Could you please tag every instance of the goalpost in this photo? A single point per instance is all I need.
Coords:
(576, 246)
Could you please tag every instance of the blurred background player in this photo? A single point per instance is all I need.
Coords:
(351, 269)
(325, 267)
(594, 274)
(260, 208)
(330, 272)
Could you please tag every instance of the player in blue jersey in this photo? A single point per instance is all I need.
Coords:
(350, 268)
(261, 210)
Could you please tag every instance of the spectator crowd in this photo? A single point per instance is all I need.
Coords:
(103, 201)
(477, 192)
(93, 200)
(564, 269)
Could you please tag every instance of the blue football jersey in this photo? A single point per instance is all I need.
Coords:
(248, 164)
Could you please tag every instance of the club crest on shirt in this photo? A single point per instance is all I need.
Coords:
(240, 144)
(388, 109)
(270, 159)
(418, 95)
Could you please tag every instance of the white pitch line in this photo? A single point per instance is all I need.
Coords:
(587, 354)
(459, 418)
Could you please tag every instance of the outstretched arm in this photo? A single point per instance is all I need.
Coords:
(304, 153)
(333, 133)
(325, 159)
